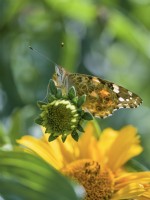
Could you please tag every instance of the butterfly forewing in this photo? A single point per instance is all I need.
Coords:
(103, 97)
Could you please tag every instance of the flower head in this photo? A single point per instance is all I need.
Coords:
(62, 114)
(97, 164)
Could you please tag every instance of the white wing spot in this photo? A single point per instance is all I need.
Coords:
(121, 99)
(114, 109)
(116, 88)
(127, 99)
(120, 106)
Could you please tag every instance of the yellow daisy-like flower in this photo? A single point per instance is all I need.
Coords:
(97, 164)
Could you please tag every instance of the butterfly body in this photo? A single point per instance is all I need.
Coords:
(102, 97)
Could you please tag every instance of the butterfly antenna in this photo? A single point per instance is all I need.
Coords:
(42, 55)
(49, 61)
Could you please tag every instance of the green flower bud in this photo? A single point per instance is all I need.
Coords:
(62, 114)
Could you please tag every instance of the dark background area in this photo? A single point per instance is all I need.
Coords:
(109, 39)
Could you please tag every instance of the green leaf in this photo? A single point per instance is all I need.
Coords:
(133, 35)
(63, 137)
(52, 137)
(80, 128)
(81, 101)
(87, 116)
(25, 176)
(75, 100)
(72, 92)
(59, 93)
(75, 136)
(18, 120)
(87, 9)
(4, 138)
(39, 120)
(52, 86)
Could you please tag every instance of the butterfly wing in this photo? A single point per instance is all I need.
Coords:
(103, 97)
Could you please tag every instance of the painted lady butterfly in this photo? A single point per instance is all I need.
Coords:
(102, 97)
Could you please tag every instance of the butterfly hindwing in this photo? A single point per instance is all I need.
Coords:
(103, 97)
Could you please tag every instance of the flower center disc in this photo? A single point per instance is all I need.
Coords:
(96, 181)
(60, 116)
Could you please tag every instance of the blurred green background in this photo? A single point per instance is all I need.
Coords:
(109, 39)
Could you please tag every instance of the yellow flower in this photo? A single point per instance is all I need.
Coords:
(97, 164)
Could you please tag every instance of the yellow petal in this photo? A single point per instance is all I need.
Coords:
(87, 143)
(146, 195)
(138, 177)
(105, 142)
(42, 149)
(130, 191)
(127, 182)
(122, 147)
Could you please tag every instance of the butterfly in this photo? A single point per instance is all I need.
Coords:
(102, 97)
